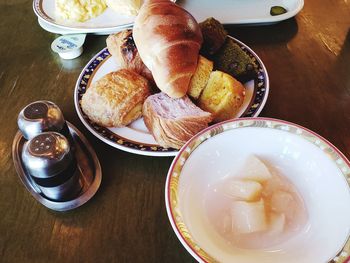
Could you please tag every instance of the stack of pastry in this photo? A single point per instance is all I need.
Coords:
(163, 51)
(116, 99)
(173, 121)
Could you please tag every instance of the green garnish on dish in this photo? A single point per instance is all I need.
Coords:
(277, 10)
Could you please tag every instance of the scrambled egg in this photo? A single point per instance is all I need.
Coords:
(79, 10)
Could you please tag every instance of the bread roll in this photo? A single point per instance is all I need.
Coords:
(223, 96)
(173, 121)
(168, 39)
(123, 49)
(116, 99)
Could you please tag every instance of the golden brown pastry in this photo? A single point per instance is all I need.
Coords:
(116, 99)
(123, 49)
(173, 121)
(168, 39)
(200, 77)
(223, 96)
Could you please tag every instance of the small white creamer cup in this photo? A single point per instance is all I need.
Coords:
(69, 46)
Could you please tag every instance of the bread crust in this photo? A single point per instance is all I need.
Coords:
(200, 78)
(124, 51)
(168, 39)
(116, 99)
(223, 96)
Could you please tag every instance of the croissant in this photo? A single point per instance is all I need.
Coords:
(122, 47)
(173, 122)
(116, 99)
(168, 39)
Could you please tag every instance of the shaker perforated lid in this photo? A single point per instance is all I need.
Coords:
(38, 117)
(47, 155)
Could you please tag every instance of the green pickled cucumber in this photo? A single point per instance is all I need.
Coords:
(277, 10)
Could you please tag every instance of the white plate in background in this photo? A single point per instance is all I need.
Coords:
(226, 11)
(105, 22)
(241, 11)
(58, 30)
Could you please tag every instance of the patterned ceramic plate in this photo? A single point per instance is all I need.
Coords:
(320, 172)
(136, 138)
(108, 21)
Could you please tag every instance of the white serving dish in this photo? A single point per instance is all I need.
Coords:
(226, 11)
(108, 21)
(248, 12)
(58, 30)
(320, 172)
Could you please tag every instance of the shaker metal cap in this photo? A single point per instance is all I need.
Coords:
(38, 117)
(61, 192)
(47, 154)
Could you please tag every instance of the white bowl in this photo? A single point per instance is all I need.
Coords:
(320, 172)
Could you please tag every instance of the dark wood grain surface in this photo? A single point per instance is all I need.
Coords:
(308, 61)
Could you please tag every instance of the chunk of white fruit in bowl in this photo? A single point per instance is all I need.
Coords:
(248, 217)
(281, 202)
(255, 170)
(277, 223)
(245, 190)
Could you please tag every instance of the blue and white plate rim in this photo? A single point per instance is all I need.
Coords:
(261, 91)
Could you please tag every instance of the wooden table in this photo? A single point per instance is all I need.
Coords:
(308, 61)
